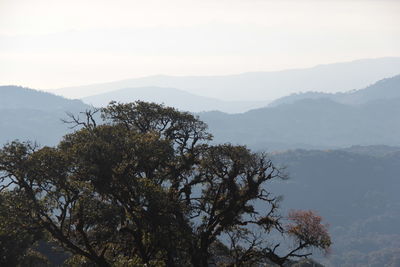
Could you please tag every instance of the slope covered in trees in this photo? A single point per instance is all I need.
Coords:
(28, 114)
(356, 189)
(370, 116)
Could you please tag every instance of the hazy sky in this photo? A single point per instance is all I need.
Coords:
(52, 43)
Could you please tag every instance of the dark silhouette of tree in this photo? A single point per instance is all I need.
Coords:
(144, 187)
(18, 234)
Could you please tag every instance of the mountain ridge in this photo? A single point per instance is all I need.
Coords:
(177, 98)
(13, 97)
(307, 123)
(314, 122)
(383, 89)
(252, 86)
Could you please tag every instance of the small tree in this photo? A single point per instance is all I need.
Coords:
(145, 187)
(308, 231)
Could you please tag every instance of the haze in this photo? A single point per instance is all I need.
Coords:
(50, 44)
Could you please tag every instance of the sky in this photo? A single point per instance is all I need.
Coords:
(48, 44)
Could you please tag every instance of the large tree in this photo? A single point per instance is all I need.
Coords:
(144, 186)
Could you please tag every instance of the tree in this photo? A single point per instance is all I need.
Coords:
(18, 234)
(146, 188)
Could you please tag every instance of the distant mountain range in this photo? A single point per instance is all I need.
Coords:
(366, 117)
(258, 86)
(370, 116)
(179, 99)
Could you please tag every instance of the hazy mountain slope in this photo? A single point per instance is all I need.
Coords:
(28, 114)
(356, 193)
(388, 88)
(16, 97)
(173, 97)
(384, 89)
(290, 99)
(310, 123)
(260, 85)
(377, 150)
(307, 123)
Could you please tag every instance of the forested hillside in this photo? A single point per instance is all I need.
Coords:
(28, 114)
(370, 116)
(357, 191)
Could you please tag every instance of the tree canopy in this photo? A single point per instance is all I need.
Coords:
(144, 186)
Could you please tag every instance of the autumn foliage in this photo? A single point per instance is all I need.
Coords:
(306, 228)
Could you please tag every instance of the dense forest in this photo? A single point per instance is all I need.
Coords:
(356, 191)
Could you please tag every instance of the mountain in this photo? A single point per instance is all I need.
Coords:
(256, 86)
(372, 117)
(179, 99)
(388, 88)
(28, 114)
(310, 123)
(356, 193)
(376, 151)
(317, 122)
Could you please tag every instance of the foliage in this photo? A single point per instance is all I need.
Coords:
(307, 229)
(145, 188)
(18, 233)
(364, 217)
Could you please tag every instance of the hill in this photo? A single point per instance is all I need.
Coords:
(356, 192)
(310, 123)
(27, 114)
(255, 86)
(388, 88)
(179, 99)
(370, 116)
